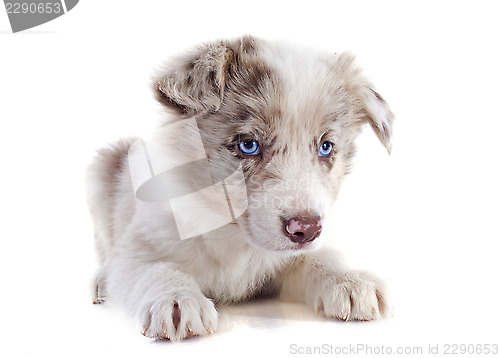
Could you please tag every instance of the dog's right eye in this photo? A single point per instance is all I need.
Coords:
(250, 147)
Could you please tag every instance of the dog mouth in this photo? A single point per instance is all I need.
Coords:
(295, 248)
(301, 246)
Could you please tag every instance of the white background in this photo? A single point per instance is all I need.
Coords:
(424, 218)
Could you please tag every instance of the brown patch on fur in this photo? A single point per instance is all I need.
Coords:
(249, 76)
(177, 90)
(217, 68)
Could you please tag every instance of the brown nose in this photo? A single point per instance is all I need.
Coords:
(303, 228)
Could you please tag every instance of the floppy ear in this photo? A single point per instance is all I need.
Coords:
(195, 83)
(374, 109)
(379, 116)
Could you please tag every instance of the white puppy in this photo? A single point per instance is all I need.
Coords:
(285, 118)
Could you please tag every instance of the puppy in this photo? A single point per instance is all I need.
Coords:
(285, 121)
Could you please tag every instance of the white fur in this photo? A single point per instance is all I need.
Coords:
(150, 274)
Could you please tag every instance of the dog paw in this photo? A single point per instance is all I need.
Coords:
(180, 316)
(353, 296)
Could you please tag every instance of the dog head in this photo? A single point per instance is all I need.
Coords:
(289, 116)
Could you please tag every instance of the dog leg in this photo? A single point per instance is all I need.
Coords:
(319, 280)
(167, 302)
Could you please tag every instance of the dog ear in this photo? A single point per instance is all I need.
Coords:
(195, 83)
(374, 109)
(379, 116)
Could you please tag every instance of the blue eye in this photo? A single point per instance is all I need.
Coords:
(250, 147)
(325, 149)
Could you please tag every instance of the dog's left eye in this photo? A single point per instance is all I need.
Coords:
(250, 147)
(325, 149)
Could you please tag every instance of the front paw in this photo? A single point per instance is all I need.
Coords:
(179, 315)
(353, 295)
